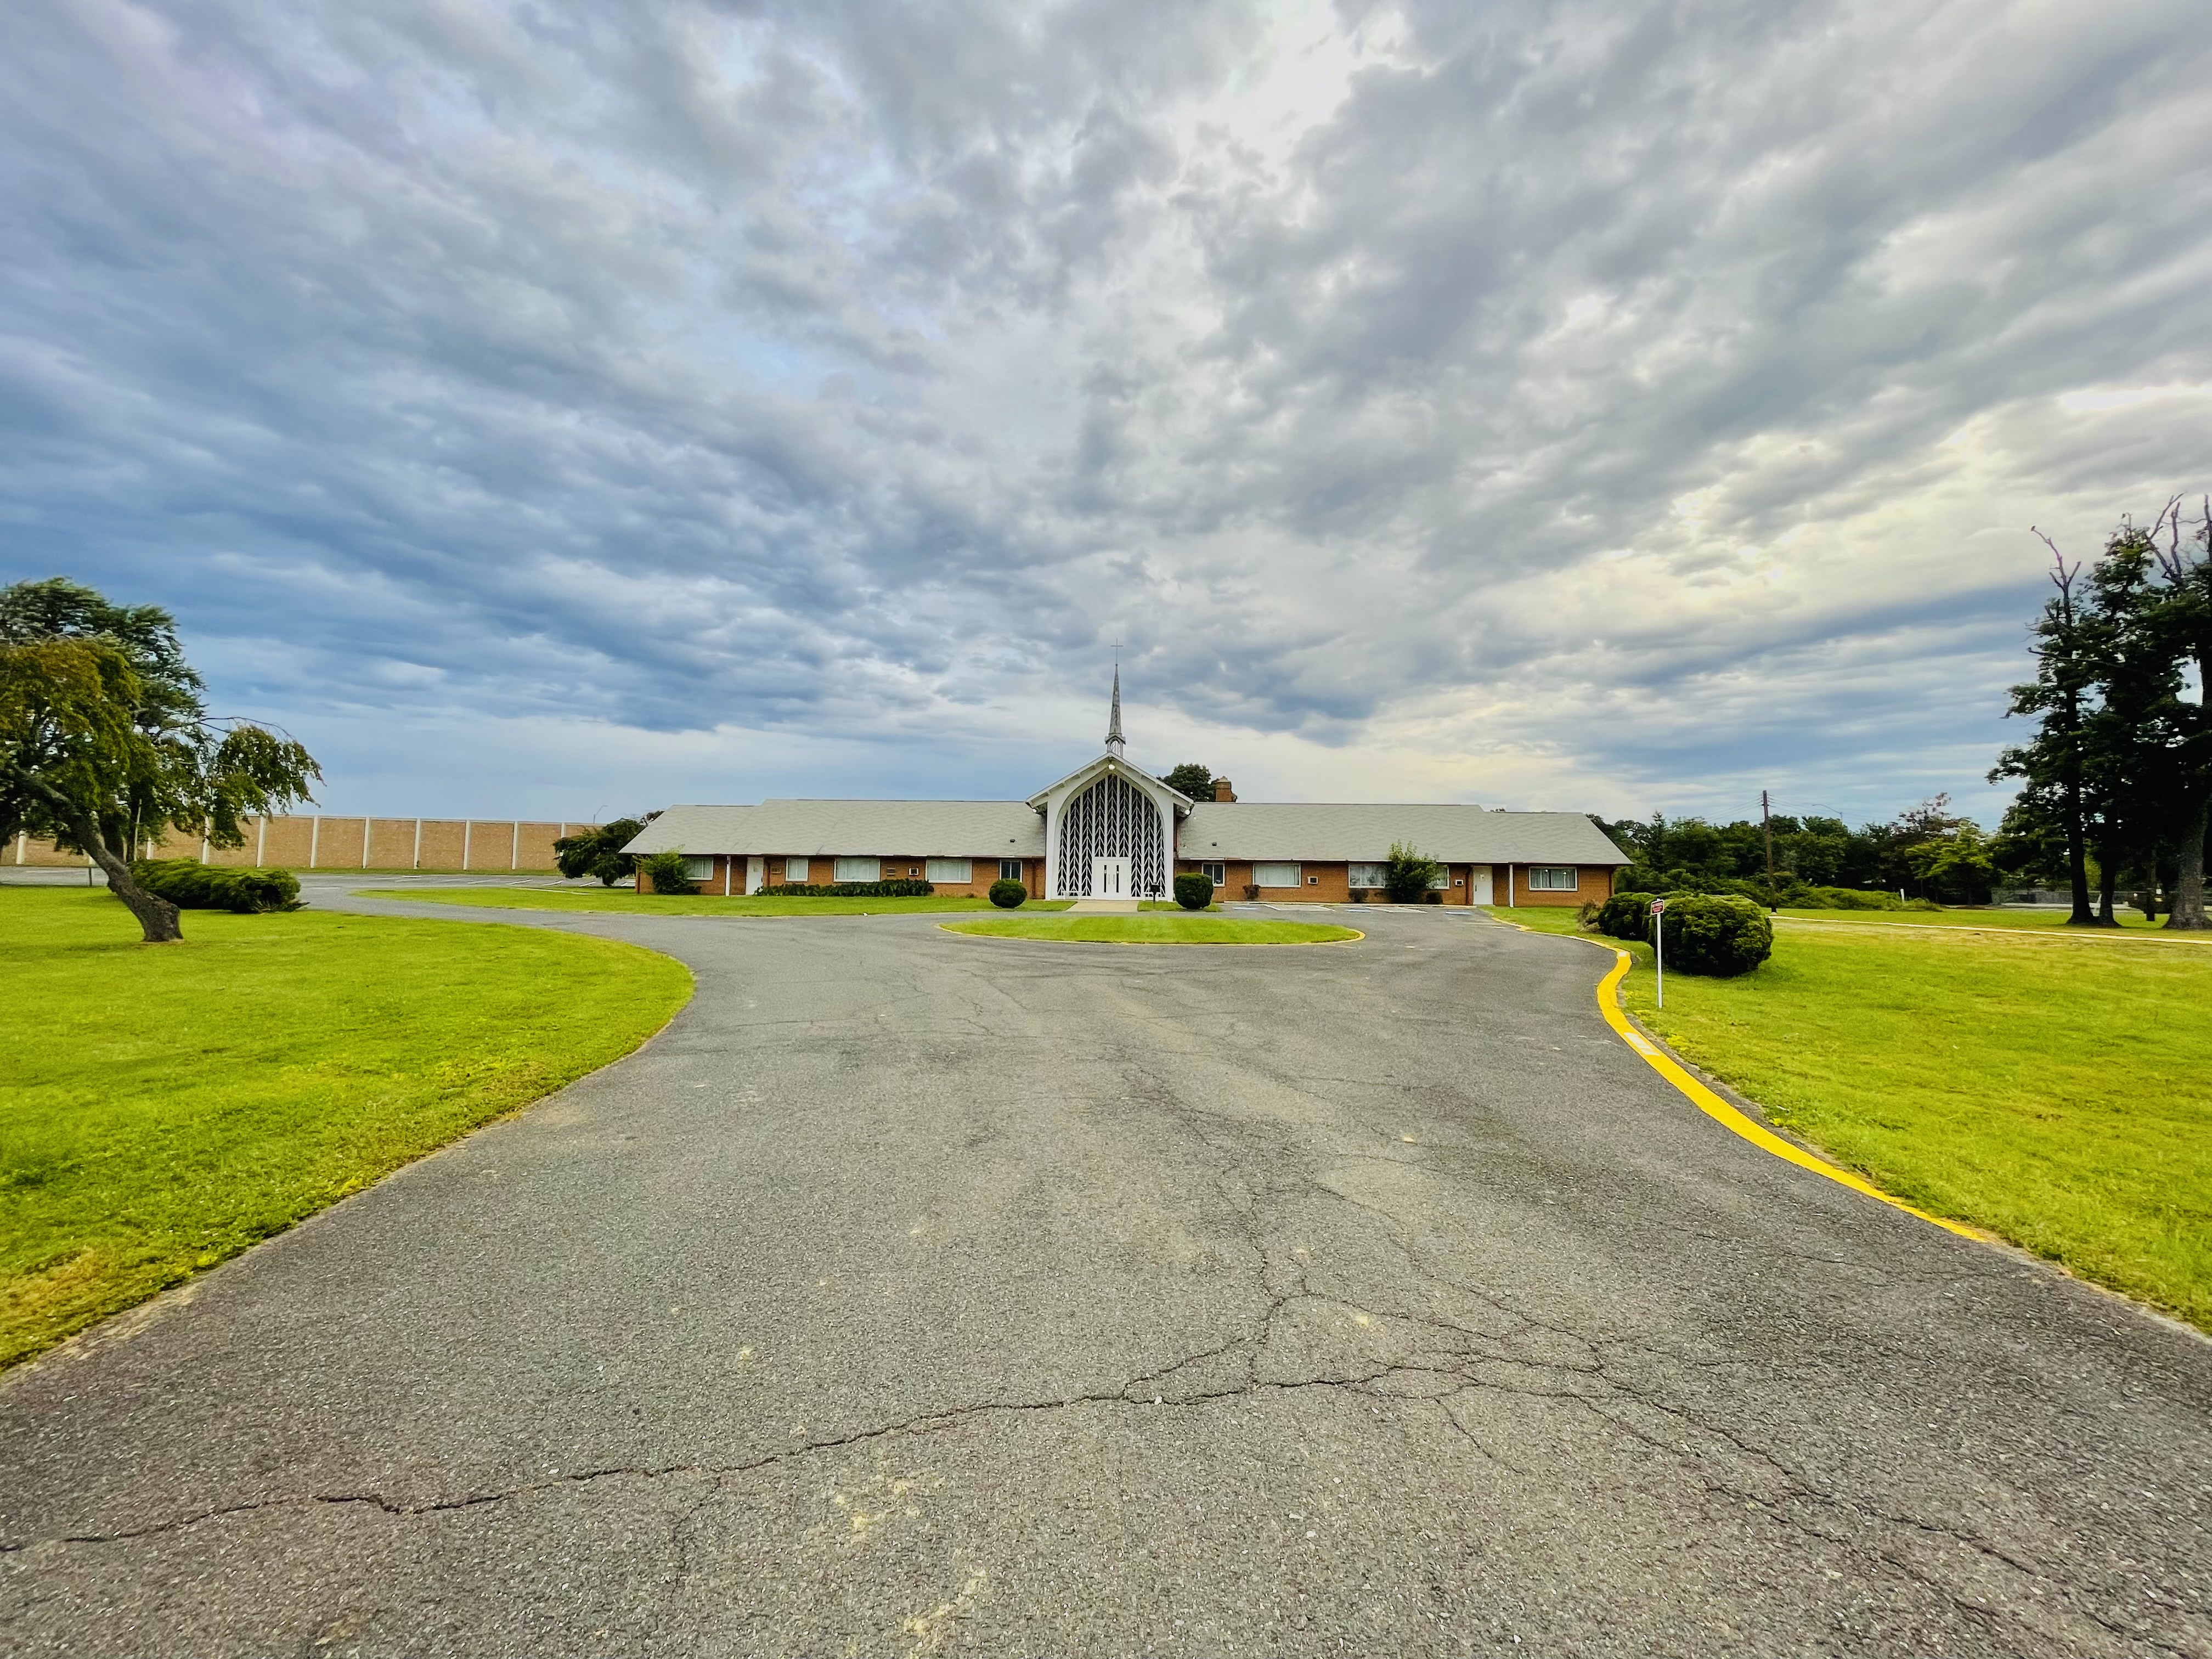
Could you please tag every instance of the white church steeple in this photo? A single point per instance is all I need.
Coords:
(1113, 724)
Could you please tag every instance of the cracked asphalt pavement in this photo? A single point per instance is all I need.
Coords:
(916, 1294)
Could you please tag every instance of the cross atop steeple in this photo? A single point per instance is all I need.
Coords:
(1114, 725)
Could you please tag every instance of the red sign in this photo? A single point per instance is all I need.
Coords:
(1658, 905)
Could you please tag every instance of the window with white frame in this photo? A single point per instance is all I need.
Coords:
(1010, 870)
(1365, 875)
(699, 868)
(860, 869)
(1443, 877)
(958, 871)
(1216, 874)
(1552, 878)
(1277, 875)
(794, 870)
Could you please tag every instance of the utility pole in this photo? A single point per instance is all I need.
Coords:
(1767, 834)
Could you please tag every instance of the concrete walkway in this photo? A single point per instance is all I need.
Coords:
(918, 1294)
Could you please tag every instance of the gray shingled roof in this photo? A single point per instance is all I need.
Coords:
(852, 828)
(1215, 829)
(1364, 831)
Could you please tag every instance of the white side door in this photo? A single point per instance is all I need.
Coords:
(1109, 879)
(755, 874)
(1478, 883)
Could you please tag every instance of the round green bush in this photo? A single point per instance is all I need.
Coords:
(1716, 933)
(1194, 889)
(1008, 894)
(668, 873)
(1626, 915)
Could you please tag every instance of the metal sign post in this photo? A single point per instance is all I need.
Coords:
(1659, 943)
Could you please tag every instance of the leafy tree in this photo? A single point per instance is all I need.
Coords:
(2128, 783)
(106, 742)
(599, 852)
(1192, 779)
(2140, 739)
(2176, 618)
(1407, 875)
(2053, 763)
(1958, 865)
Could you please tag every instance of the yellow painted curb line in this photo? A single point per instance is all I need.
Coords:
(1608, 1005)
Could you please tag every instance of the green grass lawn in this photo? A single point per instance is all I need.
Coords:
(2132, 923)
(622, 901)
(1185, 928)
(2058, 1096)
(163, 1107)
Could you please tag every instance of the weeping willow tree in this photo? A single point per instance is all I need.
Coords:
(106, 740)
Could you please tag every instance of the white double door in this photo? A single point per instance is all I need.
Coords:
(1109, 879)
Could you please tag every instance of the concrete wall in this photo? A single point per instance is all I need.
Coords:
(324, 842)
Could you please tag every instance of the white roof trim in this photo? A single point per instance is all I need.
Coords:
(1103, 763)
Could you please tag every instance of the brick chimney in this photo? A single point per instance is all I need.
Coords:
(1222, 792)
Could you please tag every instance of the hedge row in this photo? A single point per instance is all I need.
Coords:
(1787, 891)
(908, 889)
(191, 885)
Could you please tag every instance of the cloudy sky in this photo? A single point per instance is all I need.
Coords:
(560, 406)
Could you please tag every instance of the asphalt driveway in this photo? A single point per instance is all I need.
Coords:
(919, 1294)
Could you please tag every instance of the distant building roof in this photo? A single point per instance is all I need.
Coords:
(828, 829)
(1352, 831)
(1364, 831)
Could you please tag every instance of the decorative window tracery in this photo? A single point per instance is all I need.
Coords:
(1112, 819)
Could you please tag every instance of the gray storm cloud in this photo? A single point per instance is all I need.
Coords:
(1577, 405)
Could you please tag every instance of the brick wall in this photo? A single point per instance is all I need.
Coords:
(325, 842)
(1594, 881)
(1323, 882)
(732, 868)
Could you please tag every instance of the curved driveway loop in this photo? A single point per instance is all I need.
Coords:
(919, 1294)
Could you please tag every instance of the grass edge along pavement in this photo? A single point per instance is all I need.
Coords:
(1987, 1078)
(618, 901)
(1193, 928)
(167, 1107)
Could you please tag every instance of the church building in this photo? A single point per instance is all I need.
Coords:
(1110, 830)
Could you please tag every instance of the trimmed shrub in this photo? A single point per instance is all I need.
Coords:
(1587, 916)
(1927, 904)
(665, 873)
(1406, 874)
(1716, 933)
(1194, 889)
(901, 888)
(191, 885)
(1008, 894)
(1626, 915)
